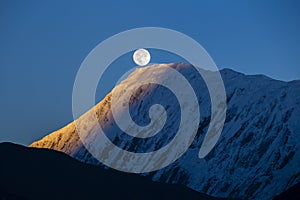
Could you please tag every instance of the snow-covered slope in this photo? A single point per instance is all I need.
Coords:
(256, 157)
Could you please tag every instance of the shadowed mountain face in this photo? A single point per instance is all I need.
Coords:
(27, 173)
(257, 155)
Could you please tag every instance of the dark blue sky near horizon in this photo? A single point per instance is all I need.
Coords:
(42, 44)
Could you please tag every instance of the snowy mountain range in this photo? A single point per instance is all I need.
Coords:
(256, 157)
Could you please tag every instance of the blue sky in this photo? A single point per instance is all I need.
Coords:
(42, 44)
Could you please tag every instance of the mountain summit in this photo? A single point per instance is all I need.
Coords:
(257, 155)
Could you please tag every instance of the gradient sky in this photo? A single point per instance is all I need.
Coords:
(42, 45)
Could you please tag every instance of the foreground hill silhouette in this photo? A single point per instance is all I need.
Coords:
(291, 194)
(30, 173)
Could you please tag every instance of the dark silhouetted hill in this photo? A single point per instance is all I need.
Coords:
(30, 173)
(291, 194)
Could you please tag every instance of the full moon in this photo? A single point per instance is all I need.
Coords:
(141, 57)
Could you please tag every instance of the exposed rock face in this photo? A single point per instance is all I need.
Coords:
(257, 155)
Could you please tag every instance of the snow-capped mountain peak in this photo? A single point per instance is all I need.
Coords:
(256, 157)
